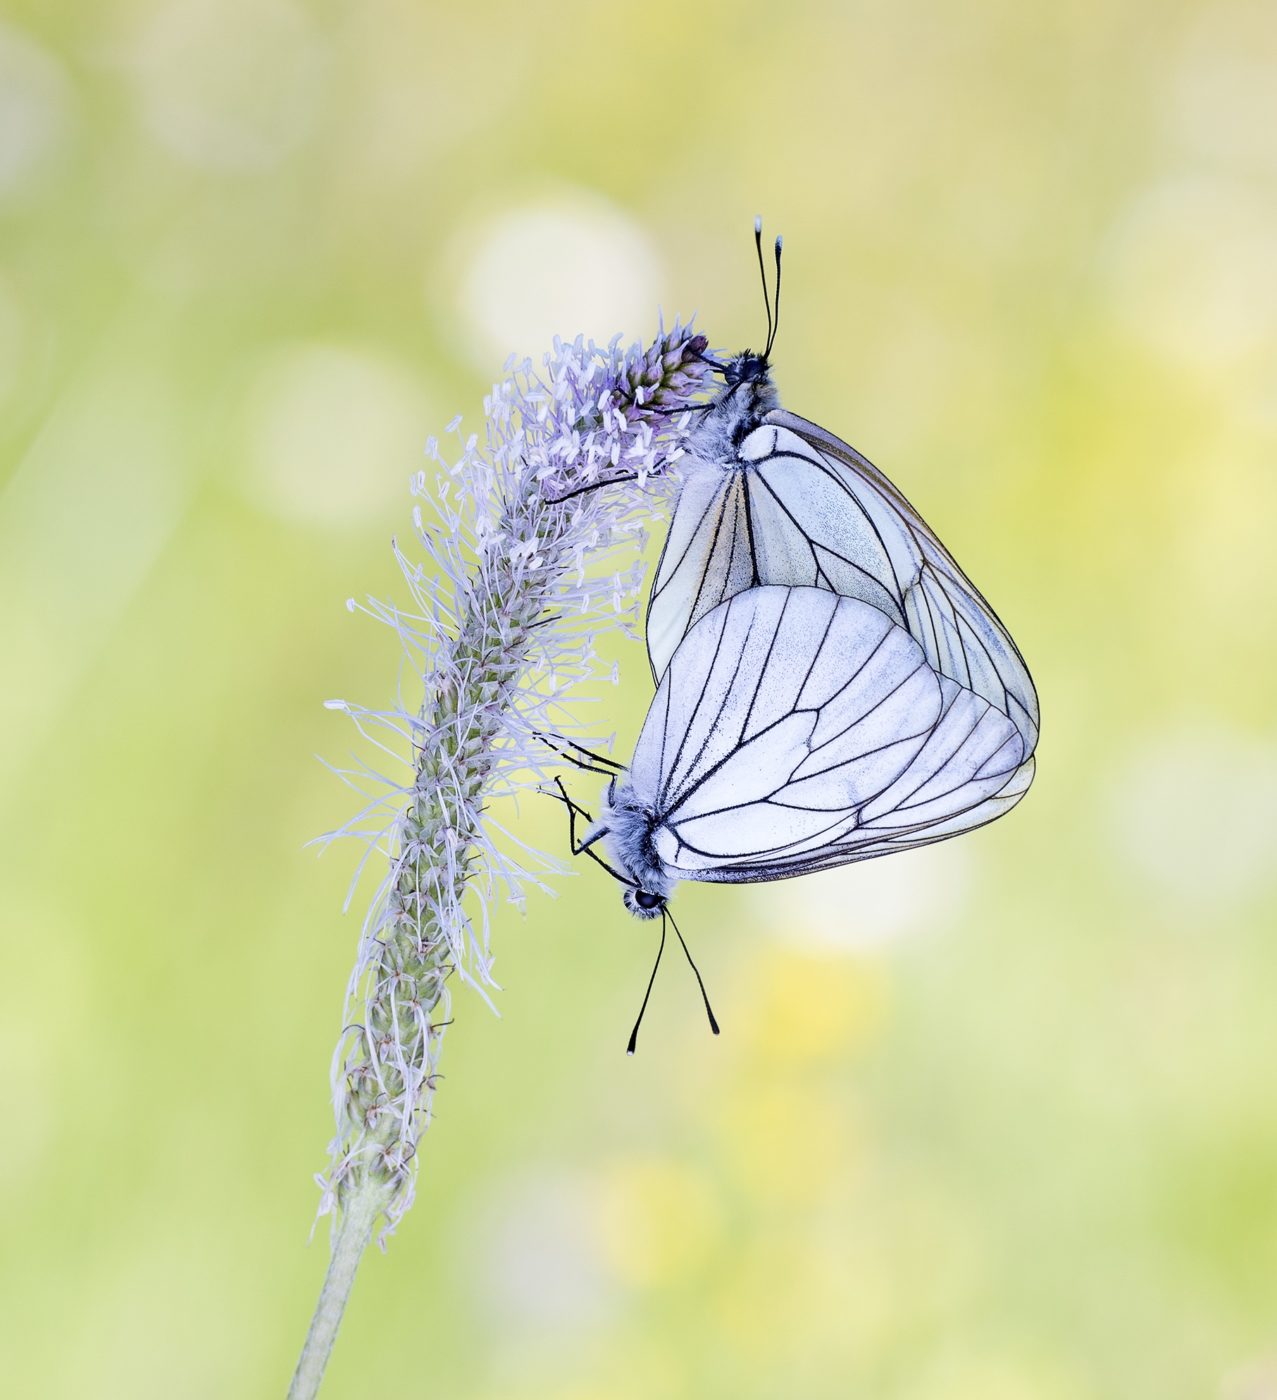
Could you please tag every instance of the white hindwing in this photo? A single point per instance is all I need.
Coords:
(796, 729)
(801, 507)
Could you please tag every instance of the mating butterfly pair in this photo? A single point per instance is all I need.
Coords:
(830, 685)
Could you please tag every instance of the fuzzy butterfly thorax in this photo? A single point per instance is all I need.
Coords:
(630, 823)
(747, 396)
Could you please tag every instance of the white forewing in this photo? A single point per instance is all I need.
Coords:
(783, 713)
(969, 757)
(706, 559)
(971, 769)
(795, 729)
(799, 507)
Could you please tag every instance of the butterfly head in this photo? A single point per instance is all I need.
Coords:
(644, 904)
(747, 368)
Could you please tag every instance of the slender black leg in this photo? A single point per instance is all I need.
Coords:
(593, 486)
(598, 763)
(585, 847)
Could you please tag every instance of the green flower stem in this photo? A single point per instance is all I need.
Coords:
(353, 1234)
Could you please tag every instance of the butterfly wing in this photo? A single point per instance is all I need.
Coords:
(783, 712)
(971, 770)
(796, 729)
(799, 507)
(707, 557)
(961, 634)
(731, 530)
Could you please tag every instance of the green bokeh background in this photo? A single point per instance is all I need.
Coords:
(987, 1122)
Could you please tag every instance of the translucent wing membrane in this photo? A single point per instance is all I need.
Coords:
(797, 506)
(708, 556)
(795, 729)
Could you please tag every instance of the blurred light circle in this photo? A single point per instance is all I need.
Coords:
(230, 85)
(566, 266)
(1220, 101)
(33, 108)
(334, 433)
(1192, 814)
(539, 1259)
(871, 903)
(659, 1220)
(810, 1003)
(1192, 271)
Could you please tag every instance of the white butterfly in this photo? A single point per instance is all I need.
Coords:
(831, 685)
(770, 498)
(793, 731)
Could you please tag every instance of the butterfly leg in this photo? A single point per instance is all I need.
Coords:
(598, 763)
(574, 810)
(586, 847)
(593, 486)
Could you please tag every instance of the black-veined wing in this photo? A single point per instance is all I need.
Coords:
(971, 770)
(796, 729)
(799, 507)
(731, 530)
(961, 633)
(708, 556)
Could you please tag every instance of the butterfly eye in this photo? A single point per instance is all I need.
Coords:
(643, 904)
(746, 368)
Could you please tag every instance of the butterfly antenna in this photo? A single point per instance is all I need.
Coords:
(762, 272)
(709, 1010)
(629, 1049)
(774, 325)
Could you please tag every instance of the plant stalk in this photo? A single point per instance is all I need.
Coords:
(353, 1233)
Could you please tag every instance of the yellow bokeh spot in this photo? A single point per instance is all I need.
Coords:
(787, 1140)
(767, 1297)
(807, 1007)
(659, 1220)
